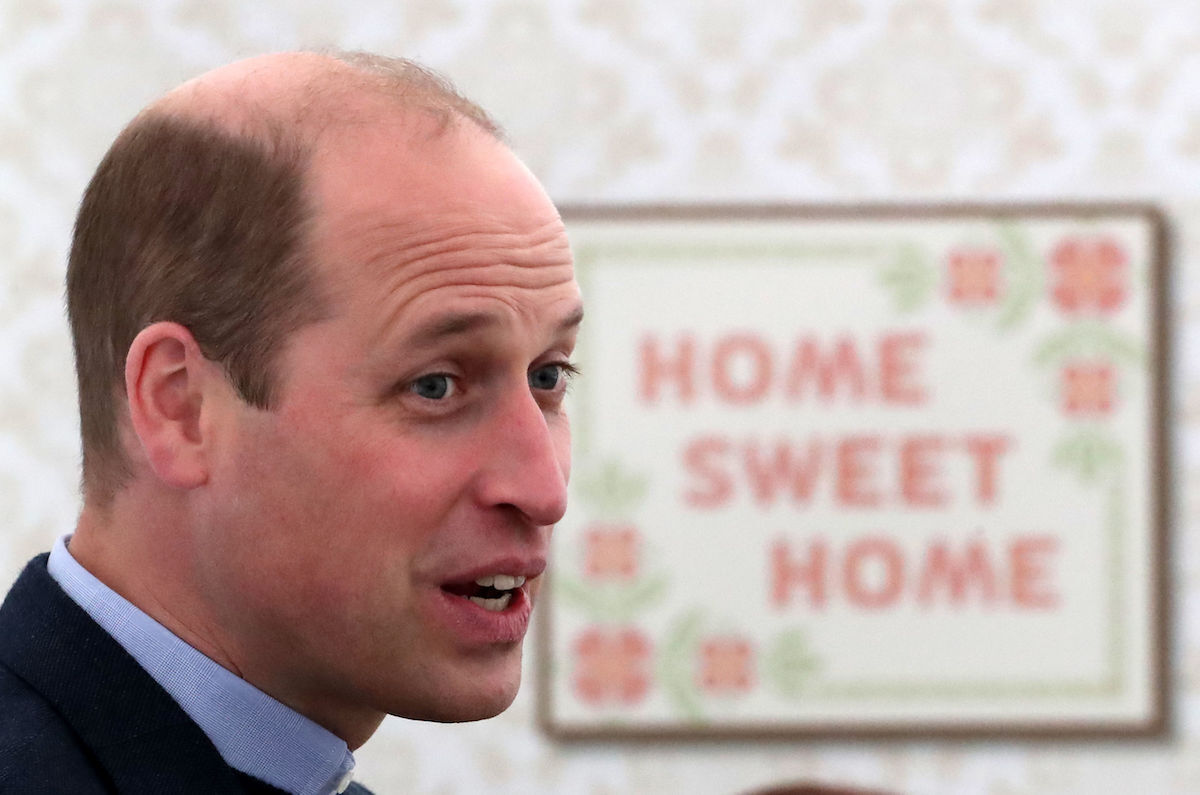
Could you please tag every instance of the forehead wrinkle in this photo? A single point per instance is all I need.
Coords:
(468, 239)
(396, 258)
(495, 275)
(487, 254)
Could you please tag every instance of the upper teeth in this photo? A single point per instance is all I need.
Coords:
(501, 582)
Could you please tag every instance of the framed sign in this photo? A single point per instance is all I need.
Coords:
(863, 471)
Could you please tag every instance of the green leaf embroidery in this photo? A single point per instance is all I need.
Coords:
(612, 491)
(1023, 272)
(790, 663)
(909, 278)
(675, 666)
(1088, 454)
(1090, 339)
(617, 602)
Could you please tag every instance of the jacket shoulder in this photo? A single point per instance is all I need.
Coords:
(38, 751)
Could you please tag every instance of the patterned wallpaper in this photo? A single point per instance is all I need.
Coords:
(656, 100)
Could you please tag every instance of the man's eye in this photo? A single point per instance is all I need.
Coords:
(549, 377)
(436, 386)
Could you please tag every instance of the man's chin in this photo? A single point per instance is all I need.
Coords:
(460, 710)
(460, 697)
(472, 715)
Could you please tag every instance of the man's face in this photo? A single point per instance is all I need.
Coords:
(418, 446)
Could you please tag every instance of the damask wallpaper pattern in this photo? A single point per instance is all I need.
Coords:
(634, 100)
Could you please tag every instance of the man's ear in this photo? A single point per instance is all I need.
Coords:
(167, 380)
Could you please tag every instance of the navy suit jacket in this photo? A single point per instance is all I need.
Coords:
(79, 715)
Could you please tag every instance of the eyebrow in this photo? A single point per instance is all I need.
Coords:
(572, 320)
(455, 325)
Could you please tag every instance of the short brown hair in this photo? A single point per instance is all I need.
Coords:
(190, 222)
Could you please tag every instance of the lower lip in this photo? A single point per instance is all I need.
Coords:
(476, 626)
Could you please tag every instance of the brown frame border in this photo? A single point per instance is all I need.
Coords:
(1158, 725)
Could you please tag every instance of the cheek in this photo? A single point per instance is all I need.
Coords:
(354, 492)
(392, 491)
(298, 485)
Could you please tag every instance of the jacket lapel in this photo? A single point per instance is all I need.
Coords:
(136, 731)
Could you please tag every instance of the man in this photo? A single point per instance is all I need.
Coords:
(323, 321)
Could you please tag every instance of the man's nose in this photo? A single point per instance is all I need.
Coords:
(526, 461)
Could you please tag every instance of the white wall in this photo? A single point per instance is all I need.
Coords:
(655, 100)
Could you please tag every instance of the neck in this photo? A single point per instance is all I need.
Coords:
(142, 549)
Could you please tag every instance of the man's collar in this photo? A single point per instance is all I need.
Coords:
(137, 734)
(252, 731)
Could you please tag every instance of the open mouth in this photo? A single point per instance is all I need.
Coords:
(495, 592)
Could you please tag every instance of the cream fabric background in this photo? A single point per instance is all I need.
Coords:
(653, 100)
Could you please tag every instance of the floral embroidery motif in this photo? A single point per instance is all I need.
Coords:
(1090, 274)
(611, 666)
(726, 665)
(1088, 388)
(611, 551)
(973, 276)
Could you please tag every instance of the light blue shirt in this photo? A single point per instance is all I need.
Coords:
(253, 732)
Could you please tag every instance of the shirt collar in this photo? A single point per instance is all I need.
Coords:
(253, 732)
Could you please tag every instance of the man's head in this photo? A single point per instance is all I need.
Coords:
(198, 214)
(358, 427)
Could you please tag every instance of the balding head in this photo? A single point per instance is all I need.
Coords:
(199, 213)
(311, 93)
